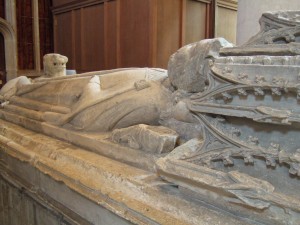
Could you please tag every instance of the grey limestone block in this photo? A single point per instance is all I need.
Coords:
(155, 139)
(188, 67)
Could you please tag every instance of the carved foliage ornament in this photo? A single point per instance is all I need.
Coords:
(249, 111)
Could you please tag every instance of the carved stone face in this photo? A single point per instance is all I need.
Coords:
(55, 65)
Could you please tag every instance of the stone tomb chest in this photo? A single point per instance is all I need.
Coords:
(213, 140)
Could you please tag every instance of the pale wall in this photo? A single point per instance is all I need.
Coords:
(249, 12)
(226, 24)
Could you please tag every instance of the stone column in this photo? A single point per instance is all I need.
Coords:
(8, 28)
(10, 13)
(249, 12)
(36, 35)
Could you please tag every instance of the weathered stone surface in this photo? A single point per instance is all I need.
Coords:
(81, 187)
(54, 65)
(235, 110)
(249, 113)
(188, 67)
(11, 88)
(97, 102)
(155, 139)
(249, 13)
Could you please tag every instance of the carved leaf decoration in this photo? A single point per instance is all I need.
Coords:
(249, 189)
(261, 83)
(249, 199)
(257, 185)
(221, 145)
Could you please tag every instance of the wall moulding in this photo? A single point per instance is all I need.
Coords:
(204, 1)
(229, 4)
(10, 43)
(72, 5)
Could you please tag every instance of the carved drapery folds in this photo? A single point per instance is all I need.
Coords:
(222, 125)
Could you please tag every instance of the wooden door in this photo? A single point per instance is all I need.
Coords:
(2, 61)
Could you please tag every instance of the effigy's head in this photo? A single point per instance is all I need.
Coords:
(188, 67)
(55, 65)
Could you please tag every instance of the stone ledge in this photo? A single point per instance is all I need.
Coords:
(104, 188)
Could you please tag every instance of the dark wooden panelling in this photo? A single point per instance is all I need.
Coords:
(77, 40)
(168, 30)
(106, 34)
(45, 28)
(25, 34)
(2, 9)
(62, 2)
(134, 33)
(93, 37)
(63, 36)
(195, 21)
(110, 35)
(24, 8)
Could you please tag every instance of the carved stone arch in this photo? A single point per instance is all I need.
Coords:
(10, 43)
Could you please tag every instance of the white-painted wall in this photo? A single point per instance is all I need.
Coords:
(249, 12)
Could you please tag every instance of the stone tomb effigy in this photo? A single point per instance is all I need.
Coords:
(212, 140)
